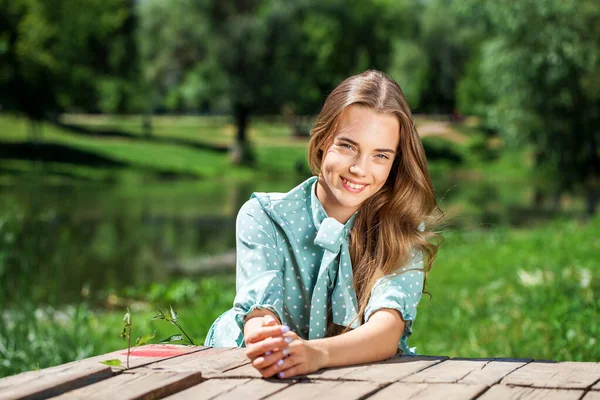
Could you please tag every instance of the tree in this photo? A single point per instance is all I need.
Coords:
(541, 72)
(59, 55)
(256, 57)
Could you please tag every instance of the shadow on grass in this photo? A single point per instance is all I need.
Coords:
(442, 150)
(50, 152)
(57, 153)
(111, 133)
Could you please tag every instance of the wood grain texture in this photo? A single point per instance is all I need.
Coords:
(503, 392)
(56, 380)
(141, 384)
(449, 371)
(208, 389)
(592, 395)
(256, 389)
(567, 375)
(492, 372)
(52, 381)
(244, 371)
(212, 362)
(426, 391)
(309, 389)
(393, 369)
(148, 354)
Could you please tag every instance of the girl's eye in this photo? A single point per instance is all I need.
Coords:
(382, 156)
(346, 145)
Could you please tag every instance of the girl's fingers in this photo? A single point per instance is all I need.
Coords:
(268, 320)
(290, 372)
(266, 360)
(283, 364)
(266, 332)
(270, 344)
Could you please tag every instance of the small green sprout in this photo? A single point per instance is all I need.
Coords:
(172, 317)
(126, 335)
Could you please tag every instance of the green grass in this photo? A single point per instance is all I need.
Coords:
(39, 338)
(277, 152)
(515, 293)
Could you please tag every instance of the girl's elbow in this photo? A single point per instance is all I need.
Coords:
(391, 351)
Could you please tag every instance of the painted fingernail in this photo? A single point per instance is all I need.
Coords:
(288, 339)
(285, 329)
(267, 353)
(286, 352)
(281, 375)
(280, 363)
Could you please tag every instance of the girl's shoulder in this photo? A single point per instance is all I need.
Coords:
(282, 203)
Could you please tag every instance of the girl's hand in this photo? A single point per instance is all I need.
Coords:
(300, 358)
(267, 339)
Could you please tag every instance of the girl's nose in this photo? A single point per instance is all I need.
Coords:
(357, 169)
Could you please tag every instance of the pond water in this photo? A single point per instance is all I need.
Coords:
(57, 241)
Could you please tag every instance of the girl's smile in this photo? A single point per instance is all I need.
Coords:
(357, 160)
(352, 186)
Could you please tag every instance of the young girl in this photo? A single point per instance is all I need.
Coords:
(330, 273)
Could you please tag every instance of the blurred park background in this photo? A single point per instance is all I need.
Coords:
(132, 131)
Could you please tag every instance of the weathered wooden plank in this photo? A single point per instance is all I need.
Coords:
(140, 384)
(449, 371)
(52, 381)
(208, 389)
(148, 354)
(386, 371)
(492, 372)
(347, 390)
(244, 371)
(592, 395)
(235, 389)
(212, 362)
(425, 391)
(525, 393)
(391, 370)
(256, 389)
(56, 380)
(566, 375)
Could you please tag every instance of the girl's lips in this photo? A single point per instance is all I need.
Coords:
(351, 189)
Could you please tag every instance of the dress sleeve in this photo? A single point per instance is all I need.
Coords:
(402, 291)
(259, 265)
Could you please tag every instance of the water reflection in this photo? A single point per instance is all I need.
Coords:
(57, 240)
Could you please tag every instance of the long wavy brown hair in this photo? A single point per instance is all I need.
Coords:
(385, 232)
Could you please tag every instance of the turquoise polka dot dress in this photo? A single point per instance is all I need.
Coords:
(294, 261)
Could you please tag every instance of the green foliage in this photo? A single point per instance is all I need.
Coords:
(172, 317)
(410, 68)
(538, 70)
(496, 294)
(114, 362)
(60, 56)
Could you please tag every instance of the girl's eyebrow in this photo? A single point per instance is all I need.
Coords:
(356, 144)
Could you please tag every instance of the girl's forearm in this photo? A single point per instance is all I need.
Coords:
(374, 341)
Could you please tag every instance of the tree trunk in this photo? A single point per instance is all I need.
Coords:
(591, 194)
(147, 124)
(241, 151)
(36, 131)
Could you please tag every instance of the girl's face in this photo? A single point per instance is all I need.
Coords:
(358, 160)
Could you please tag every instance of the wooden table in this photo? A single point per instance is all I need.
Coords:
(180, 372)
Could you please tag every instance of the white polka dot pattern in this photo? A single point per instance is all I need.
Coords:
(294, 260)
